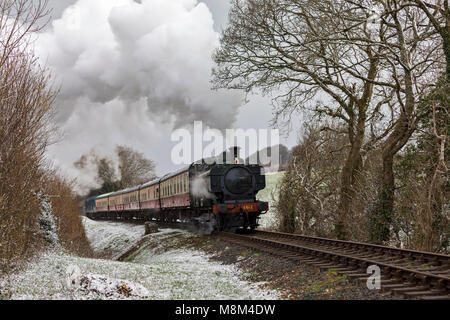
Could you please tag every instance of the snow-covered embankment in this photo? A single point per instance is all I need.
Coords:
(152, 273)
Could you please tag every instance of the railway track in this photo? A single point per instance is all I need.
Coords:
(413, 274)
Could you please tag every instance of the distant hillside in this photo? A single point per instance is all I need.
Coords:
(284, 156)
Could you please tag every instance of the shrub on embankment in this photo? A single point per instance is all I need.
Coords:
(65, 205)
(26, 117)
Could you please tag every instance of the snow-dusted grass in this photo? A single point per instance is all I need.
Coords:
(187, 274)
(46, 278)
(174, 274)
(111, 236)
(270, 193)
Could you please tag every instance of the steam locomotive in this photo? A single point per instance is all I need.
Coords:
(209, 194)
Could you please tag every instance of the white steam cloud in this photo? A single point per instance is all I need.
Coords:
(131, 71)
(199, 189)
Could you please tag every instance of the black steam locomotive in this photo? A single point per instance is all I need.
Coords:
(212, 194)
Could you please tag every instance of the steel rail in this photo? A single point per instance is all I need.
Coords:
(396, 277)
(430, 256)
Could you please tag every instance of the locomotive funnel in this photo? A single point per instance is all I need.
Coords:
(233, 154)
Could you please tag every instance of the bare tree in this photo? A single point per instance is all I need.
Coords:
(296, 47)
(308, 197)
(328, 57)
(106, 176)
(410, 55)
(134, 168)
(26, 110)
(438, 15)
(130, 169)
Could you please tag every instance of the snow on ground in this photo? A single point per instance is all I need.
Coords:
(111, 236)
(187, 274)
(47, 278)
(174, 274)
(270, 194)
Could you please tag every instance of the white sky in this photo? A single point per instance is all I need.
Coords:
(88, 88)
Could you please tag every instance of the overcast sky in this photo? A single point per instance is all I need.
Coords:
(132, 72)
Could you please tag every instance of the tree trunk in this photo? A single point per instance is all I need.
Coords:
(446, 42)
(349, 171)
(381, 216)
(447, 55)
(354, 160)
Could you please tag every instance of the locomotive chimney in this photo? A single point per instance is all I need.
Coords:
(231, 156)
(235, 151)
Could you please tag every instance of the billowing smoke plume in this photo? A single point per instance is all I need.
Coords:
(159, 50)
(127, 69)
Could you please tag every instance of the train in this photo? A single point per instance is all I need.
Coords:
(208, 194)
